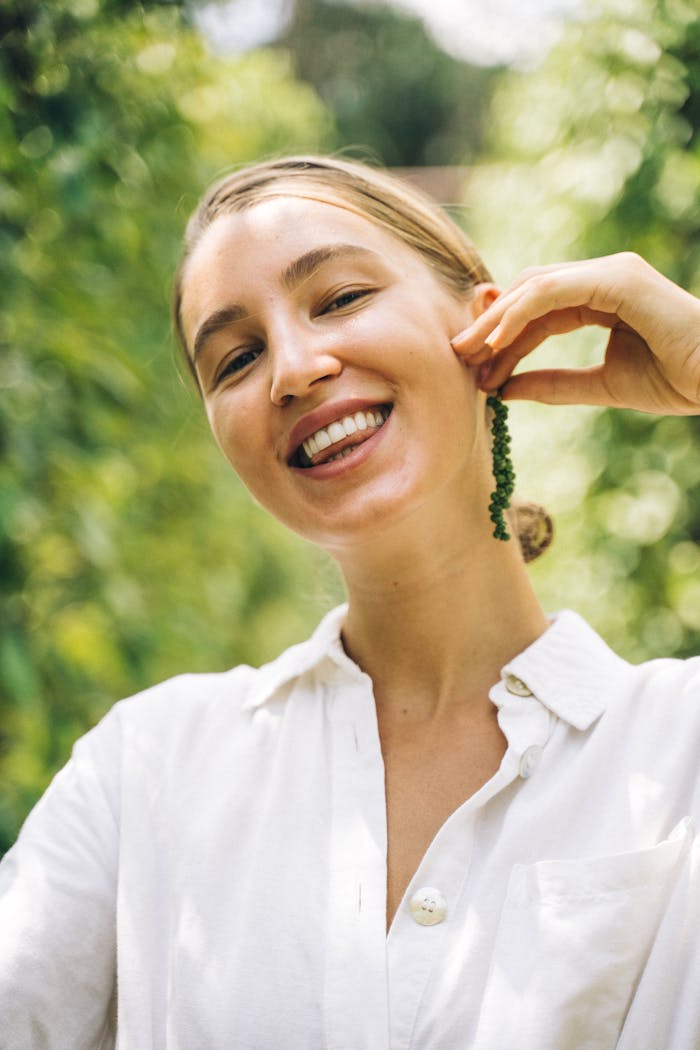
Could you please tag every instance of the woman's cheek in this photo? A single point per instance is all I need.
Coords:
(238, 427)
(225, 425)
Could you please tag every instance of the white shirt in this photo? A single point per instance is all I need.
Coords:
(219, 844)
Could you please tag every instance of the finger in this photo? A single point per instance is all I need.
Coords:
(493, 373)
(560, 386)
(477, 356)
(472, 340)
(548, 294)
(535, 293)
(475, 342)
(537, 271)
(487, 320)
(497, 368)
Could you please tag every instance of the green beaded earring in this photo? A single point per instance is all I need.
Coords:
(503, 472)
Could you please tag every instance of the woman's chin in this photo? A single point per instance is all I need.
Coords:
(397, 514)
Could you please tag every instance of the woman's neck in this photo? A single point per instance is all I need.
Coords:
(433, 622)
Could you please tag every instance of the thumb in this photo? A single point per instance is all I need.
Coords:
(559, 386)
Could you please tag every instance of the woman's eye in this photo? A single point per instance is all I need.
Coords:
(239, 362)
(346, 299)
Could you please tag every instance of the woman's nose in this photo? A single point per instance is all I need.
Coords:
(299, 361)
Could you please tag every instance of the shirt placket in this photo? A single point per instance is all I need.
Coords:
(421, 932)
(422, 927)
(355, 994)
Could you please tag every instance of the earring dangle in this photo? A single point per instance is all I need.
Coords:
(503, 472)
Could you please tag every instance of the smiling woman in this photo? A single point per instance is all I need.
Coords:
(446, 820)
(311, 291)
(350, 274)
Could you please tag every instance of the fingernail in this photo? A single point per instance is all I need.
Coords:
(492, 338)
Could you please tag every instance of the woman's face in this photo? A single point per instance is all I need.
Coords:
(321, 343)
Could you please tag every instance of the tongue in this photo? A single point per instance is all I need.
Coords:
(358, 438)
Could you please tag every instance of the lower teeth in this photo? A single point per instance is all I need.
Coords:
(343, 454)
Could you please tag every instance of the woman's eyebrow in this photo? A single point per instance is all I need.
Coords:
(309, 262)
(292, 276)
(219, 319)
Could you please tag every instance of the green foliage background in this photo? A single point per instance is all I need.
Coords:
(390, 88)
(128, 552)
(599, 151)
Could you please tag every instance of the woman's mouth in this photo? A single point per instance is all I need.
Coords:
(341, 437)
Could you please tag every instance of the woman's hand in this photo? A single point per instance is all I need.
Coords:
(652, 360)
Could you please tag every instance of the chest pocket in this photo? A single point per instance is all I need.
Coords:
(572, 942)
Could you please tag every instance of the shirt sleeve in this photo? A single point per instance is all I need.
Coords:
(57, 907)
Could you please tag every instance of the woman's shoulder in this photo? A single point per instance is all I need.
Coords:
(656, 700)
(189, 693)
(579, 643)
(666, 681)
(189, 701)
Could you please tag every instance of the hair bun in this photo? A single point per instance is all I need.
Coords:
(533, 527)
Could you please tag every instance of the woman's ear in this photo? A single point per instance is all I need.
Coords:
(483, 295)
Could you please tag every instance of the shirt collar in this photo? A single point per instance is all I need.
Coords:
(569, 668)
(323, 644)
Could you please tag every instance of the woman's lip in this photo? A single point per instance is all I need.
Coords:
(325, 414)
(336, 467)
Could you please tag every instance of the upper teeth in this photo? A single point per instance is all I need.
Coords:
(336, 431)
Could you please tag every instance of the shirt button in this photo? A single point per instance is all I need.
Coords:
(428, 906)
(530, 760)
(516, 686)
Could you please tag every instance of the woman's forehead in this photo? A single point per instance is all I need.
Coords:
(286, 221)
(264, 240)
